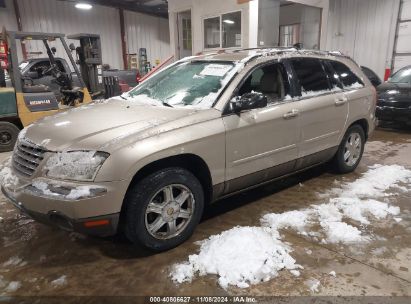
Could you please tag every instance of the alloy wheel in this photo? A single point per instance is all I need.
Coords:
(169, 211)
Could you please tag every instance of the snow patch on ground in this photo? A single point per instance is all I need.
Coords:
(14, 261)
(7, 177)
(13, 286)
(243, 256)
(313, 285)
(61, 281)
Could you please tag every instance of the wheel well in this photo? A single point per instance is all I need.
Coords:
(363, 123)
(193, 163)
(14, 120)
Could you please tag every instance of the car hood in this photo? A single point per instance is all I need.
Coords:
(105, 126)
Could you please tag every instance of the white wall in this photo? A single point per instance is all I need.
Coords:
(152, 33)
(7, 18)
(201, 9)
(364, 30)
(62, 17)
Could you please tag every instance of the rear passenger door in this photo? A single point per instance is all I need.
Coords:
(359, 100)
(323, 110)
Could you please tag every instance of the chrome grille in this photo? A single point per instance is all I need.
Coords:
(27, 157)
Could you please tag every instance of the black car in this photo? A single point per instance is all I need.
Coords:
(372, 76)
(394, 98)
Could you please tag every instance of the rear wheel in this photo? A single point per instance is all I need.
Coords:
(163, 209)
(350, 151)
(8, 136)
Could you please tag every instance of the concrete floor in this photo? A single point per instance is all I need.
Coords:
(113, 267)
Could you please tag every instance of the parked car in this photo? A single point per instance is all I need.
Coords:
(372, 76)
(200, 130)
(394, 99)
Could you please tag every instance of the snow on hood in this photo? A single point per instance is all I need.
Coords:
(96, 125)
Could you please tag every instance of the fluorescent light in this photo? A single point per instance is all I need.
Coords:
(83, 6)
(228, 21)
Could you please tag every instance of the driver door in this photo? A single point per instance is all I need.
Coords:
(261, 144)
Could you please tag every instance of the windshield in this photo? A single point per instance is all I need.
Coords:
(402, 76)
(196, 83)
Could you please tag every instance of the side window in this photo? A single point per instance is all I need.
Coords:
(39, 67)
(60, 66)
(347, 77)
(333, 77)
(311, 75)
(270, 80)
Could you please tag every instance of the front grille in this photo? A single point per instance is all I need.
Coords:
(27, 157)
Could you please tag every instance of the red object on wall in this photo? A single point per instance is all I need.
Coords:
(387, 74)
(4, 62)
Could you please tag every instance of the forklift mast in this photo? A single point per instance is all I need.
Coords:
(89, 60)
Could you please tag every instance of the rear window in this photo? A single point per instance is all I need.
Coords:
(311, 75)
(347, 77)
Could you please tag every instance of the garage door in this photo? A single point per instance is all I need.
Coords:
(402, 51)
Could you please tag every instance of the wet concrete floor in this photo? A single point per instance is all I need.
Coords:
(36, 255)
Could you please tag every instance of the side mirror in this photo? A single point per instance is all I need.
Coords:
(72, 47)
(248, 101)
(33, 75)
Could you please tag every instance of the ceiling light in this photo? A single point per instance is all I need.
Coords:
(228, 21)
(83, 6)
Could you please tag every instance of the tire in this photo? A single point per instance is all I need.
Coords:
(150, 209)
(8, 136)
(341, 163)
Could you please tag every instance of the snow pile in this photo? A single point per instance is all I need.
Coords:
(7, 177)
(240, 256)
(353, 202)
(243, 256)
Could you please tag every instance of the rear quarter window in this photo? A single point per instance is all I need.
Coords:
(348, 78)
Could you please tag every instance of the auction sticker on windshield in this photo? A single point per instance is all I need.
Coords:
(216, 70)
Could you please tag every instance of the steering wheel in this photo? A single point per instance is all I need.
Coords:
(52, 68)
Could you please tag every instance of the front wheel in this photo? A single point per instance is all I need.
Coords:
(350, 151)
(163, 209)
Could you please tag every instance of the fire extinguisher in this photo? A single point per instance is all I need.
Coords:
(4, 61)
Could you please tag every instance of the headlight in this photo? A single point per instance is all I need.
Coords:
(75, 165)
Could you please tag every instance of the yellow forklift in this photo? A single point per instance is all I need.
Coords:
(24, 101)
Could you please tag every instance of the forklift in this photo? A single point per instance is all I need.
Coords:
(26, 102)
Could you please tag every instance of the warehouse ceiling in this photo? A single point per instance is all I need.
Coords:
(152, 7)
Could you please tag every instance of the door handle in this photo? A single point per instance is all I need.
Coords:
(293, 113)
(341, 101)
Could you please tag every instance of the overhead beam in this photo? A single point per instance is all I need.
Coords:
(129, 6)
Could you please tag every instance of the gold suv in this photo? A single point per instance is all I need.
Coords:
(148, 163)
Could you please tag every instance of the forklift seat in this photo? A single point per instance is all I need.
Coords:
(40, 88)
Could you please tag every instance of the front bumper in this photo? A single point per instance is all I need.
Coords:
(391, 114)
(97, 214)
